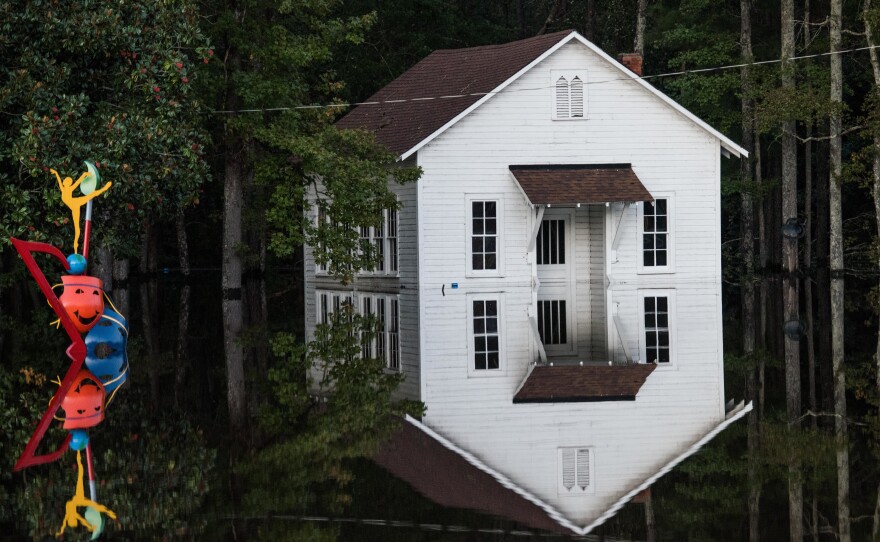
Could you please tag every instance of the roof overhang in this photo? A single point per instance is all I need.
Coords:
(581, 384)
(575, 184)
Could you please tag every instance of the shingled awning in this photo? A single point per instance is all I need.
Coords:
(581, 384)
(580, 183)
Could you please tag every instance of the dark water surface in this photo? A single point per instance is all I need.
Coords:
(164, 458)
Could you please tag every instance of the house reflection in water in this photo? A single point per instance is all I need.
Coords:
(551, 286)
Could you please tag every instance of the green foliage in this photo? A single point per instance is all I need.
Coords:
(152, 471)
(103, 81)
(330, 406)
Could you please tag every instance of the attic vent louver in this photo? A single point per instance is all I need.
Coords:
(568, 95)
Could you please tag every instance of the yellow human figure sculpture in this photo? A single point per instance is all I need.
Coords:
(72, 518)
(67, 187)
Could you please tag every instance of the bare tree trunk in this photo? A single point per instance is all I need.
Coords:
(748, 255)
(182, 356)
(808, 284)
(763, 259)
(149, 321)
(641, 19)
(837, 308)
(120, 285)
(650, 523)
(790, 287)
(589, 27)
(556, 12)
(875, 66)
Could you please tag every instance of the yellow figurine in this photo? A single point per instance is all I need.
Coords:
(72, 518)
(67, 187)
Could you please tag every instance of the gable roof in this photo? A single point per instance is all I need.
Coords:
(419, 460)
(454, 78)
(570, 184)
(448, 84)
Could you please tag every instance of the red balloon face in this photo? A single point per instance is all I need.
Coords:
(84, 403)
(83, 299)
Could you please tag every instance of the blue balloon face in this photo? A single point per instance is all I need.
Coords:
(106, 356)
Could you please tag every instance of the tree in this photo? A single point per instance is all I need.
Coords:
(107, 82)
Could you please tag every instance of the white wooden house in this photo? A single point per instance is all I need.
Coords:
(551, 286)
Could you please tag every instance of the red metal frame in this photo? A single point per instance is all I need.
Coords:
(76, 352)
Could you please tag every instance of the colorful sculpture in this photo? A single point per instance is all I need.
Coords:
(83, 393)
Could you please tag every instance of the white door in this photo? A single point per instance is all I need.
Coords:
(555, 258)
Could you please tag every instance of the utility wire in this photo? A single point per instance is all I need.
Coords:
(480, 94)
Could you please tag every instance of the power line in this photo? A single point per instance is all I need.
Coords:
(481, 94)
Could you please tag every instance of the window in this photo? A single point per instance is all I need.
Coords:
(552, 326)
(551, 243)
(657, 316)
(383, 237)
(655, 230)
(575, 470)
(385, 343)
(485, 347)
(484, 236)
(568, 95)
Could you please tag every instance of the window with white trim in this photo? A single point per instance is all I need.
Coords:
(657, 316)
(575, 470)
(569, 94)
(385, 342)
(655, 234)
(383, 238)
(485, 334)
(484, 216)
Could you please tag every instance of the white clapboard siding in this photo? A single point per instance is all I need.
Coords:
(629, 440)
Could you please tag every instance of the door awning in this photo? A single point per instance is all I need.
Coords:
(572, 184)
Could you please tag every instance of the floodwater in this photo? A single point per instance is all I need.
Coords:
(166, 465)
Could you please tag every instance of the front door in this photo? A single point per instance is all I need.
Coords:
(555, 259)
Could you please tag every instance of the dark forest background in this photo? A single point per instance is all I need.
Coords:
(194, 111)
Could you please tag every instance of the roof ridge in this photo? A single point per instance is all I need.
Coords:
(539, 37)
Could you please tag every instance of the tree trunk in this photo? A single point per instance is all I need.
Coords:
(182, 352)
(589, 26)
(236, 155)
(650, 523)
(837, 308)
(763, 260)
(120, 286)
(641, 14)
(875, 66)
(748, 256)
(790, 286)
(556, 12)
(808, 284)
(149, 321)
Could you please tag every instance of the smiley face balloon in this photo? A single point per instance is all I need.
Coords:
(83, 300)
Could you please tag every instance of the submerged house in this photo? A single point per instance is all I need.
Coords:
(551, 286)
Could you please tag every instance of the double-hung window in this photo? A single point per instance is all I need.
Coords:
(383, 238)
(484, 219)
(569, 94)
(485, 348)
(384, 343)
(655, 235)
(657, 319)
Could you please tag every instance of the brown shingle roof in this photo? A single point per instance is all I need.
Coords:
(580, 183)
(472, 72)
(573, 383)
(446, 478)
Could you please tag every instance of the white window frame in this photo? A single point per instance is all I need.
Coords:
(569, 76)
(471, 335)
(470, 199)
(669, 294)
(390, 335)
(670, 237)
(576, 489)
(378, 236)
